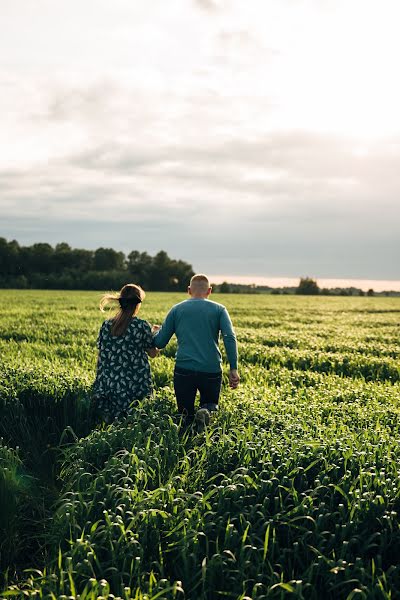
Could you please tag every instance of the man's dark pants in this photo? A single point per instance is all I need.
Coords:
(186, 384)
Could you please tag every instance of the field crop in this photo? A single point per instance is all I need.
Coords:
(293, 491)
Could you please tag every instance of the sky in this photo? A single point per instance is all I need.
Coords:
(257, 138)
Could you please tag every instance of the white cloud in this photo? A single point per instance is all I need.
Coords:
(271, 123)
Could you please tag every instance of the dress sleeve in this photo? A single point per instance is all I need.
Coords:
(148, 340)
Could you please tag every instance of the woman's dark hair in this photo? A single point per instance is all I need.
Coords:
(129, 299)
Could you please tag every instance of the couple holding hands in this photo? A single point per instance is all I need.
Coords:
(125, 342)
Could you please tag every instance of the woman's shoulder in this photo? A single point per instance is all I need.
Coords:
(105, 324)
(105, 328)
(140, 323)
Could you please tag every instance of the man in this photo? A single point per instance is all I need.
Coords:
(197, 323)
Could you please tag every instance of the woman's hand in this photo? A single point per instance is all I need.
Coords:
(152, 352)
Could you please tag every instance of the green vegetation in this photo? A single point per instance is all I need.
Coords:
(292, 492)
(307, 287)
(41, 266)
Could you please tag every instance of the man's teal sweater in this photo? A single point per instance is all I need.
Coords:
(197, 323)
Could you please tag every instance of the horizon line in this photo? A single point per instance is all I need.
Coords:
(378, 285)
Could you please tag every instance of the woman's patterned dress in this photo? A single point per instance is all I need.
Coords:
(123, 370)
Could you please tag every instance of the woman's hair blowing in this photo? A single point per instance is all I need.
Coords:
(129, 299)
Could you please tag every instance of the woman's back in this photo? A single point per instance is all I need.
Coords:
(123, 370)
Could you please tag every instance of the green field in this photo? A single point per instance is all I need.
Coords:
(292, 492)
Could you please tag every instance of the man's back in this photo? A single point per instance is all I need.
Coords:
(197, 323)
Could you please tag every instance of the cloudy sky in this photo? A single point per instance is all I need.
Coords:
(248, 138)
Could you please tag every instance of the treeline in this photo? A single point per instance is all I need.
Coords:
(62, 267)
(309, 287)
(306, 287)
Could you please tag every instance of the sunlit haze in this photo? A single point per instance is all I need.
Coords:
(281, 282)
(255, 139)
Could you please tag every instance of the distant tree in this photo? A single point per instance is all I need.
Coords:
(361, 293)
(160, 272)
(139, 266)
(168, 275)
(20, 282)
(63, 247)
(37, 258)
(225, 288)
(107, 259)
(307, 287)
(102, 280)
(181, 273)
(63, 257)
(9, 257)
(370, 292)
(82, 260)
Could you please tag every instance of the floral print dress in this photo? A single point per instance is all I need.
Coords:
(123, 370)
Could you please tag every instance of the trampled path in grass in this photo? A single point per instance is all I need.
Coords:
(292, 491)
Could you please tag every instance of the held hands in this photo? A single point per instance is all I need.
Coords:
(153, 352)
(233, 378)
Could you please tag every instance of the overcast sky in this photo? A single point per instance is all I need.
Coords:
(257, 137)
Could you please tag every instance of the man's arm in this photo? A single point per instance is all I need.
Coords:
(230, 343)
(167, 330)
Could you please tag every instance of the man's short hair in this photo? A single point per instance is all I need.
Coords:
(200, 281)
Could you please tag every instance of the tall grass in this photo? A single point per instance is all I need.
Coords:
(291, 492)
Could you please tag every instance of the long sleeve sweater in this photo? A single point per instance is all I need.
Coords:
(197, 324)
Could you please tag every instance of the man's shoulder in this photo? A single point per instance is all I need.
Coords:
(202, 302)
(177, 308)
(178, 305)
(192, 305)
(216, 305)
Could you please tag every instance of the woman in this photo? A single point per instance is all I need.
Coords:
(124, 343)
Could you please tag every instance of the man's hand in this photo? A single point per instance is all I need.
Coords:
(155, 328)
(234, 378)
